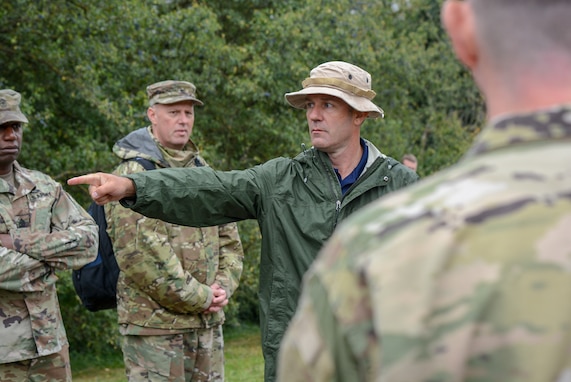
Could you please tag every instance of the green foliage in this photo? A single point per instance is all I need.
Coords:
(95, 333)
(82, 68)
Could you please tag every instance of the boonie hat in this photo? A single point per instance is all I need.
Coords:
(167, 92)
(10, 107)
(340, 79)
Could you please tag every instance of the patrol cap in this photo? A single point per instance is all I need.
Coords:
(167, 92)
(10, 107)
(340, 79)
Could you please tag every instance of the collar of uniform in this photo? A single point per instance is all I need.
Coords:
(541, 125)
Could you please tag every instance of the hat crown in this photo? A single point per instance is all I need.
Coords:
(10, 107)
(9, 100)
(343, 71)
(340, 79)
(170, 91)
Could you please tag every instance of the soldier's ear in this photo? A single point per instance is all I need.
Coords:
(458, 20)
(151, 114)
(360, 116)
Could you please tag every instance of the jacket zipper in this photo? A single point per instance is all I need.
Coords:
(360, 180)
(333, 181)
(332, 184)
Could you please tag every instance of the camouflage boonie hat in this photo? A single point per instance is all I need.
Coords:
(167, 92)
(342, 80)
(10, 107)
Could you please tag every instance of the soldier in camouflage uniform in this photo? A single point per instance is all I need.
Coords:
(42, 230)
(465, 276)
(174, 280)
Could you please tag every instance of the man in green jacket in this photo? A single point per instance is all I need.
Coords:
(297, 202)
(465, 276)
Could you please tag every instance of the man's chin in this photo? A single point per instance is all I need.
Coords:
(8, 156)
(319, 144)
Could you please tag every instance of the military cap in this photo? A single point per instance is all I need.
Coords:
(167, 92)
(10, 107)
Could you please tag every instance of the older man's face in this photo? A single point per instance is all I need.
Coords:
(172, 123)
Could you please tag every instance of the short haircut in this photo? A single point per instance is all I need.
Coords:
(409, 157)
(523, 31)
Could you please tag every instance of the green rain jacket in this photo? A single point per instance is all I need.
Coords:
(297, 203)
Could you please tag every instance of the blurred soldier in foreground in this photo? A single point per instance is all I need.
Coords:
(42, 229)
(174, 280)
(465, 276)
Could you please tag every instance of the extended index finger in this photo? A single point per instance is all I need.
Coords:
(91, 179)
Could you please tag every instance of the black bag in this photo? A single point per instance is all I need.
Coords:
(96, 283)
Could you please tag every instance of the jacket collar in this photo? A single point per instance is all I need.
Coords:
(25, 183)
(543, 125)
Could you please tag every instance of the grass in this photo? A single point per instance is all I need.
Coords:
(243, 354)
(244, 361)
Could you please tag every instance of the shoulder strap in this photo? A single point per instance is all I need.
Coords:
(147, 164)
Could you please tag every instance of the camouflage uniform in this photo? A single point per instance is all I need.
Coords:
(50, 231)
(165, 278)
(465, 276)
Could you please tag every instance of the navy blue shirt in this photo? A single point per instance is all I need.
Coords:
(354, 175)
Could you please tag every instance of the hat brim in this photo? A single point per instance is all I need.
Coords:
(299, 99)
(12, 116)
(182, 98)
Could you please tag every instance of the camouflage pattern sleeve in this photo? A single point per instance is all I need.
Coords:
(148, 261)
(64, 235)
(22, 273)
(231, 258)
(19, 272)
(146, 258)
